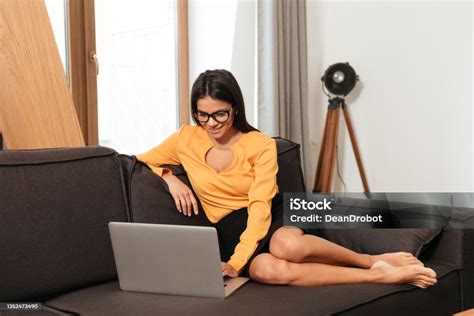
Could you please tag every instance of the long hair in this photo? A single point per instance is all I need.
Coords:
(221, 85)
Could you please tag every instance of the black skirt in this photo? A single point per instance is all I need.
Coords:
(233, 225)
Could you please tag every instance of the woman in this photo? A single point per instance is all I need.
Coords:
(232, 168)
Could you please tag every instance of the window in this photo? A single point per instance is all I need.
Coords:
(137, 83)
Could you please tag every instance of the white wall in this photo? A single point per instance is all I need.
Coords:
(412, 110)
(222, 36)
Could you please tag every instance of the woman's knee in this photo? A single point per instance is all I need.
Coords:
(265, 268)
(286, 243)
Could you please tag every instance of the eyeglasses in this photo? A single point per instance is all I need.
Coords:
(219, 116)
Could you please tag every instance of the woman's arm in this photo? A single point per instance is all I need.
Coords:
(261, 193)
(167, 153)
(164, 153)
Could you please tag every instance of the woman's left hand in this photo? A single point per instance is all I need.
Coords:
(227, 270)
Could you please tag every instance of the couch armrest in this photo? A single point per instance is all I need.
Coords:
(468, 268)
(455, 247)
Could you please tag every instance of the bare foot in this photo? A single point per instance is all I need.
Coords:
(397, 259)
(412, 274)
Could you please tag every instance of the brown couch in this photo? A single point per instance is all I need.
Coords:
(55, 249)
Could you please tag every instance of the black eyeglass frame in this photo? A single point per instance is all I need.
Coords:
(209, 115)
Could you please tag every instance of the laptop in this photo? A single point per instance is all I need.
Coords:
(170, 259)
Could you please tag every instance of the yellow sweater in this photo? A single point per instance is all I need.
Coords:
(249, 181)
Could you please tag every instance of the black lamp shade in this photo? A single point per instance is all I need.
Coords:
(340, 79)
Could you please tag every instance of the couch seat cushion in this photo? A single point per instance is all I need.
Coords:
(252, 299)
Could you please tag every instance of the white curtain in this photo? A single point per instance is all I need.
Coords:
(282, 74)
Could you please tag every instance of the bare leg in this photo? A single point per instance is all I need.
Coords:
(291, 244)
(269, 269)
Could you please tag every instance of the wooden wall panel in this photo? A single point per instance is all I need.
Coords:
(36, 107)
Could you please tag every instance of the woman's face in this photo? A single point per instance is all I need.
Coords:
(220, 123)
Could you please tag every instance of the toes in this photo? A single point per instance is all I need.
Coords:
(431, 272)
(419, 284)
(428, 280)
(422, 284)
(418, 262)
(431, 283)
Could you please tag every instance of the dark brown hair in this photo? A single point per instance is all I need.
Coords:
(221, 85)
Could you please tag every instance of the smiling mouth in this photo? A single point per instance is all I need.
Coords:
(213, 130)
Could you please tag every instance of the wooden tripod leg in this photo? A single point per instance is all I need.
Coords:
(333, 150)
(328, 152)
(355, 148)
(317, 179)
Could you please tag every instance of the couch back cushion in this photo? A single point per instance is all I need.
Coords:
(55, 205)
(149, 197)
(379, 241)
(290, 173)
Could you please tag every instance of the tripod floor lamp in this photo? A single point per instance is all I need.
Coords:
(338, 80)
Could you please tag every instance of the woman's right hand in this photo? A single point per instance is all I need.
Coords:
(182, 195)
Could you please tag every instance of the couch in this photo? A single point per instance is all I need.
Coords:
(55, 205)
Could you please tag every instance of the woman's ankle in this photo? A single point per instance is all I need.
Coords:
(367, 261)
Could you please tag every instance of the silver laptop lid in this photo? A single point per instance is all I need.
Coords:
(167, 259)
